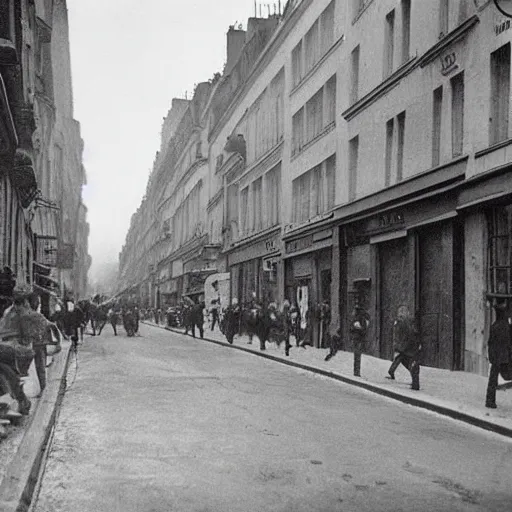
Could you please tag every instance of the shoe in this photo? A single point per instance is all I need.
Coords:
(390, 376)
(327, 357)
(3, 432)
(491, 405)
(415, 388)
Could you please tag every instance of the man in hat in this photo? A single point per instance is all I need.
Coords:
(500, 350)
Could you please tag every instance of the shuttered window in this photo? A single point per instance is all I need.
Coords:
(457, 84)
(500, 94)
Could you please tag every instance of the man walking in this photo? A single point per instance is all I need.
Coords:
(500, 351)
(360, 321)
(407, 345)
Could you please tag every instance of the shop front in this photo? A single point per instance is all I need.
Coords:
(308, 277)
(255, 270)
(408, 252)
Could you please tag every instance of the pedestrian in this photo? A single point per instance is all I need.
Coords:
(359, 323)
(113, 316)
(197, 319)
(231, 320)
(407, 346)
(214, 310)
(335, 344)
(500, 351)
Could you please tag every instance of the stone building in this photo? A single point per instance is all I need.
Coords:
(356, 145)
(42, 174)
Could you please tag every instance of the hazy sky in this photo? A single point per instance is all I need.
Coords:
(129, 59)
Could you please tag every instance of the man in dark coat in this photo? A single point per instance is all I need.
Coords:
(231, 320)
(197, 319)
(359, 323)
(500, 350)
(406, 342)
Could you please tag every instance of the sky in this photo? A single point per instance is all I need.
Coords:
(129, 59)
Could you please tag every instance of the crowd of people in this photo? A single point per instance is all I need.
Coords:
(27, 336)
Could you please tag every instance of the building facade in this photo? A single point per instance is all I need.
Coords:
(357, 146)
(42, 214)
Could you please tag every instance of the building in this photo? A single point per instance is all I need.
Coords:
(42, 174)
(359, 147)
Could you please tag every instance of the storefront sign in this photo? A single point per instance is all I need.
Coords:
(299, 245)
(270, 246)
(254, 251)
(502, 27)
(387, 220)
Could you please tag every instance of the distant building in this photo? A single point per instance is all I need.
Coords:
(41, 211)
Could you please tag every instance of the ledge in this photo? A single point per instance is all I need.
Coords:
(329, 128)
(319, 63)
(450, 38)
(253, 238)
(494, 147)
(379, 91)
(361, 12)
(267, 160)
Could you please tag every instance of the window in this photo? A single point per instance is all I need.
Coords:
(7, 20)
(257, 216)
(359, 5)
(401, 145)
(314, 115)
(499, 272)
(437, 111)
(316, 200)
(354, 89)
(244, 210)
(353, 156)
(327, 28)
(330, 100)
(312, 46)
(330, 176)
(297, 69)
(444, 11)
(500, 94)
(406, 29)
(273, 187)
(457, 84)
(298, 131)
(389, 43)
(389, 151)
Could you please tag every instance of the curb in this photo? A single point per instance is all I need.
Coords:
(20, 480)
(416, 402)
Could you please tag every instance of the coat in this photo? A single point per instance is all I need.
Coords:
(499, 344)
(405, 337)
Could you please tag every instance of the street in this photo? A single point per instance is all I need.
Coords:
(164, 422)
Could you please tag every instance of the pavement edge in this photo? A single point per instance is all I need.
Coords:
(20, 480)
(409, 400)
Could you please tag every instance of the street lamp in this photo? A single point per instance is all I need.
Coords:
(505, 7)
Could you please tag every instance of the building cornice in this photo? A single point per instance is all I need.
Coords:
(405, 69)
(450, 38)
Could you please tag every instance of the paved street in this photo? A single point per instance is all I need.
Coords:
(167, 423)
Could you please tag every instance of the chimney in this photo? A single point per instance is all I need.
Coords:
(235, 44)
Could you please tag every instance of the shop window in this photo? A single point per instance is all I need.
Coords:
(500, 94)
(500, 251)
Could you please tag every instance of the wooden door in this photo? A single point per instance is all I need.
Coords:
(435, 296)
(394, 282)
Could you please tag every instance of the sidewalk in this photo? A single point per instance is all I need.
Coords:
(22, 452)
(459, 395)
